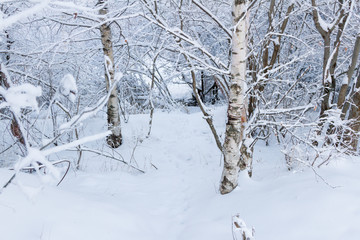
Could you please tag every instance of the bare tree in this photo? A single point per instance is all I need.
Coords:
(329, 57)
(351, 107)
(274, 36)
(349, 73)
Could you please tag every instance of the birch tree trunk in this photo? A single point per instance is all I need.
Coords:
(237, 105)
(113, 115)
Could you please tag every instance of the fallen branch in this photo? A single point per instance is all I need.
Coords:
(38, 168)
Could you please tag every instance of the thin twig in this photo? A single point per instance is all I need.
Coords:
(8, 182)
(111, 157)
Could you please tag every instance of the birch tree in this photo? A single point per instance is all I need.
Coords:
(236, 113)
(113, 115)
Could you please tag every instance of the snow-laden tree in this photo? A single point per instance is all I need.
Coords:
(52, 50)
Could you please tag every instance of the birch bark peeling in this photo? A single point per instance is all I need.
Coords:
(113, 114)
(237, 105)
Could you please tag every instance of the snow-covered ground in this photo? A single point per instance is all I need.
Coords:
(179, 200)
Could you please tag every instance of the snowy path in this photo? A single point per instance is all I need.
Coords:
(179, 201)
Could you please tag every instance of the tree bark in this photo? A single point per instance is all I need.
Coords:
(327, 89)
(237, 103)
(349, 74)
(15, 127)
(352, 111)
(113, 114)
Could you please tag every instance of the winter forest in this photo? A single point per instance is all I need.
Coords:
(179, 119)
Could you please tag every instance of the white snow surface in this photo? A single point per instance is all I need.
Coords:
(180, 200)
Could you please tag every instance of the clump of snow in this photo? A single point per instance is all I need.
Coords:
(275, 41)
(22, 96)
(68, 87)
(35, 158)
(325, 26)
(118, 76)
(108, 63)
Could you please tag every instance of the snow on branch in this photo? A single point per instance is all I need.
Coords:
(7, 22)
(178, 33)
(88, 112)
(20, 97)
(75, 143)
(212, 16)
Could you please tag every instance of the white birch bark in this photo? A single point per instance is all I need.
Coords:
(113, 114)
(237, 104)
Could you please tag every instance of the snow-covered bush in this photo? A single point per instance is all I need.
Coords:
(240, 230)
